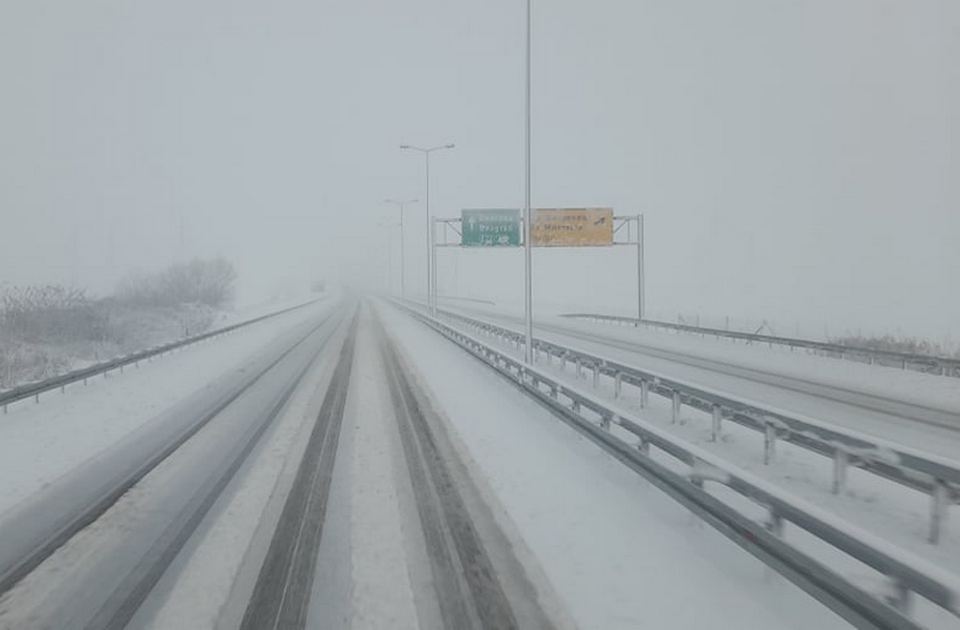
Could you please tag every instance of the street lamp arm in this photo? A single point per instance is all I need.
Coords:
(411, 147)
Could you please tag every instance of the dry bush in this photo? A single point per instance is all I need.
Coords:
(207, 282)
(20, 363)
(50, 313)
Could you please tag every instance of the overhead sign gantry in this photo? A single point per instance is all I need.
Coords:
(551, 227)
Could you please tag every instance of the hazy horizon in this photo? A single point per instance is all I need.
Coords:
(800, 166)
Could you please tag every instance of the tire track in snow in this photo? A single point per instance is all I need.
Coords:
(281, 595)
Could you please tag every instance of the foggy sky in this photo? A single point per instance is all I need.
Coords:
(796, 161)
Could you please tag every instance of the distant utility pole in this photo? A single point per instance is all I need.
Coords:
(400, 203)
(431, 298)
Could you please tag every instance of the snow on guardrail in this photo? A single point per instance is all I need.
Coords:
(946, 366)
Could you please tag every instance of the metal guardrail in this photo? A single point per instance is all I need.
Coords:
(765, 540)
(33, 390)
(456, 298)
(945, 366)
(937, 476)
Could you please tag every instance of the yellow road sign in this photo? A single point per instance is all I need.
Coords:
(572, 227)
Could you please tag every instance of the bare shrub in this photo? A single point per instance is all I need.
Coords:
(21, 363)
(207, 282)
(51, 313)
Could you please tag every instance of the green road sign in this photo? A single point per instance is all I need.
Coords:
(490, 228)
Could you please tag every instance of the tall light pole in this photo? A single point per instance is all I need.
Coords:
(527, 245)
(400, 203)
(641, 280)
(431, 299)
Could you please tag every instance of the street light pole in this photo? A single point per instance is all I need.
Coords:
(389, 261)
(527, 244)
(430, 271)
(401, 203)
(426, 152)
(433, 263)
(641, 280)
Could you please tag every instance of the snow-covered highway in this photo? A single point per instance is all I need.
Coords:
(345, 466)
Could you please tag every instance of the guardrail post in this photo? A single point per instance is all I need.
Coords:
(596, 375)
(644, 446)
(644, 393)
(36, 398)
(717, 419)
(900, 596)
(840, 461)
(939, 503)
(769, 442)
(617, 384)
(676, 407)
(775, 523)
(605, 422)
(575, 406)
(579, 367)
